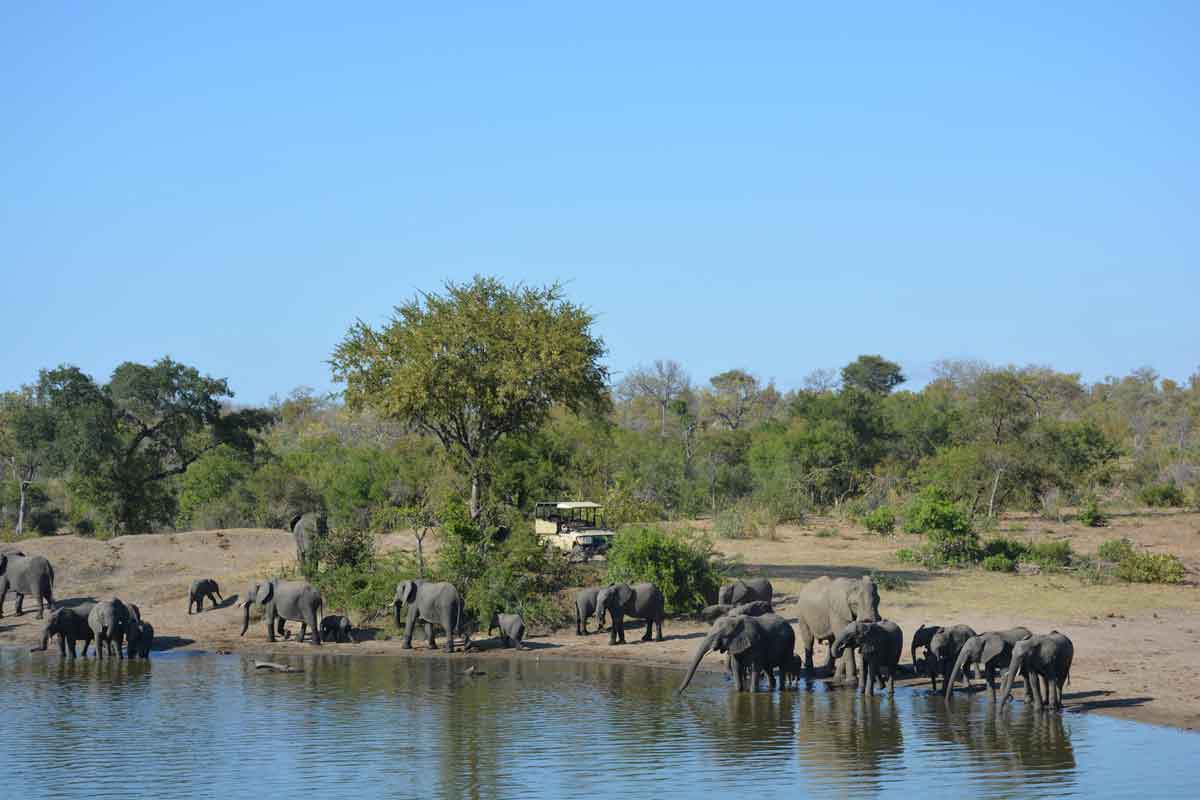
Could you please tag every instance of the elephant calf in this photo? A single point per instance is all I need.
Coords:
(202, 588)
(70, 625)
(512, 629)
(141, 640)
(753, 609)
(943, 651)
(989, 652)
(881, 644)
(1042, 661)
(337, 628)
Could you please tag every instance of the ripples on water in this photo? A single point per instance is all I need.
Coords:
(187, 725)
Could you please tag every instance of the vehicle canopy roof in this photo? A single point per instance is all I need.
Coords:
(570, 504)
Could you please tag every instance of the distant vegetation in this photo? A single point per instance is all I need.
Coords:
(496, 396)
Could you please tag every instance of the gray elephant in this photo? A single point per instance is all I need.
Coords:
(512, 629)
(920, 640)
(308, 530)
(141, 640)
(70, 625)
(943, 651)
(754, 645)
(881, 644)
(337, 628)
(1044, 661)
(641, 601)
(746, 591)
(827, 605)
(988, 652)
(585, 606)
(200, 589)
(110, 621)
(32, 575)
(285, 600)
(431, 603)
(757, 608)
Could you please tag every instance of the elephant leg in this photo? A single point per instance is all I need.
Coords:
(20, 601)
(430, 633)
(409, 623)
(316, 629)
(735, 664)
(649, 634)
(891, 681)
(658, 627)
(448, 624)
(579, 626)
(991, 681)
(3, 594)
(41, 607)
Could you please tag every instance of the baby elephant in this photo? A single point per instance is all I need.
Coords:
(881, 644)
(337, 629)
(512, 629)
(202, 588)
(140, 644)
(70, 625)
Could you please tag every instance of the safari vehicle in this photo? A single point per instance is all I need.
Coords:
(574, 526)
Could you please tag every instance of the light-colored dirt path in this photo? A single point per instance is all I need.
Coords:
(1137, 647)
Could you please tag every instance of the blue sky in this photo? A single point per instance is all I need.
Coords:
(777, 188)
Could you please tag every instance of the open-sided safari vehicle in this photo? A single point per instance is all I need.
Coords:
(574, 526)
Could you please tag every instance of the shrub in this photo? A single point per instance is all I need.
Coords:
(891, 583)
(366, 589)
(999, 562)
(522, 575)
(825, 533)
(1049, 555)
(1116, 550)
(951, 548)
(46, 521)
(1161, 495)
(906, 555)
(1151, 568)
(1093, 570)
(882, 521)
(685, 567)
(1010, 549)
(1091, 516)
(932, 510)
(746, 521)
(727, 524)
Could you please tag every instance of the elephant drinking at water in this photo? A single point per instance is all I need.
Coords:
(881, 644)
(285, 600)
(989, 652)
(754, 644)
(70, 625)
(1040, 659)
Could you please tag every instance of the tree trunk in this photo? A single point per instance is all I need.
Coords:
(21, 508)
(420, 556)
(992, 499)
(475, 490)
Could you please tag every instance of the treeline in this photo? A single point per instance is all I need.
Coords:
(459, 399)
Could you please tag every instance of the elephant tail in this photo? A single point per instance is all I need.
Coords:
(50, 569)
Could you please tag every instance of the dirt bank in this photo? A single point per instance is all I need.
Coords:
(1137, 647)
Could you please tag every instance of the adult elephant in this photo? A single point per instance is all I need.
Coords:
(746, 591)
(1044, 660)
(282, 601)
(639, 600)
(308, 530)
(827, 605)
(989, 652)
(431, 603)
(754, 644)
(585, 606)
(24, 575)
(881, 644)
(943, 651)
(70, 625)
(110, 621)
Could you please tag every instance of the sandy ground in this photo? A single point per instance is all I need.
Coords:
(1137, 647)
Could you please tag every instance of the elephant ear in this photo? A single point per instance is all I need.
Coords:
(265, 592)
(839, 604)
(624, 594)
(3, 563)
(409, 591)
(292, 522)
(993, 646)
(741, 636)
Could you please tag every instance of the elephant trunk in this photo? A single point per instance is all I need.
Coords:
(1006, 687)
(840, 643)
(959, 664)
(45, 641)
(701, 651)
(245, 618)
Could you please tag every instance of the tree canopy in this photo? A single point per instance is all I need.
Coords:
(475, 364)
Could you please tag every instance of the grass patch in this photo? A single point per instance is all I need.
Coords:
(999, 562)
(891, 583)
(825, 533)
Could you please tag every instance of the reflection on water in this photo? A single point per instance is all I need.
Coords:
(198, 725)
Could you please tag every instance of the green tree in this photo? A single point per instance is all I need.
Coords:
(473, 365)
(26, 439)
(122, 443)
(874, 374)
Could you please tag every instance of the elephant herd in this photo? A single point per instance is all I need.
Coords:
(844, 614)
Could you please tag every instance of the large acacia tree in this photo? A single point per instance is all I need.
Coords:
(475, 364)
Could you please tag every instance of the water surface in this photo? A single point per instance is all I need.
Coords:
(205, 725)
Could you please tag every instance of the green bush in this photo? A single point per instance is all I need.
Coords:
(1161, 495)
(1011, 549)
(1049, 555)
(1116, 550)
(951, 548)
(523, 575)
(825, 533)
(932, 510)
(727, 524)
(906, 555)
(746, 521)
(1091, 516)
(891, 583)
(685, 567)
(1151, 568)
(999, 562)
(366, 590)
(346, 547)
(882, 521)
